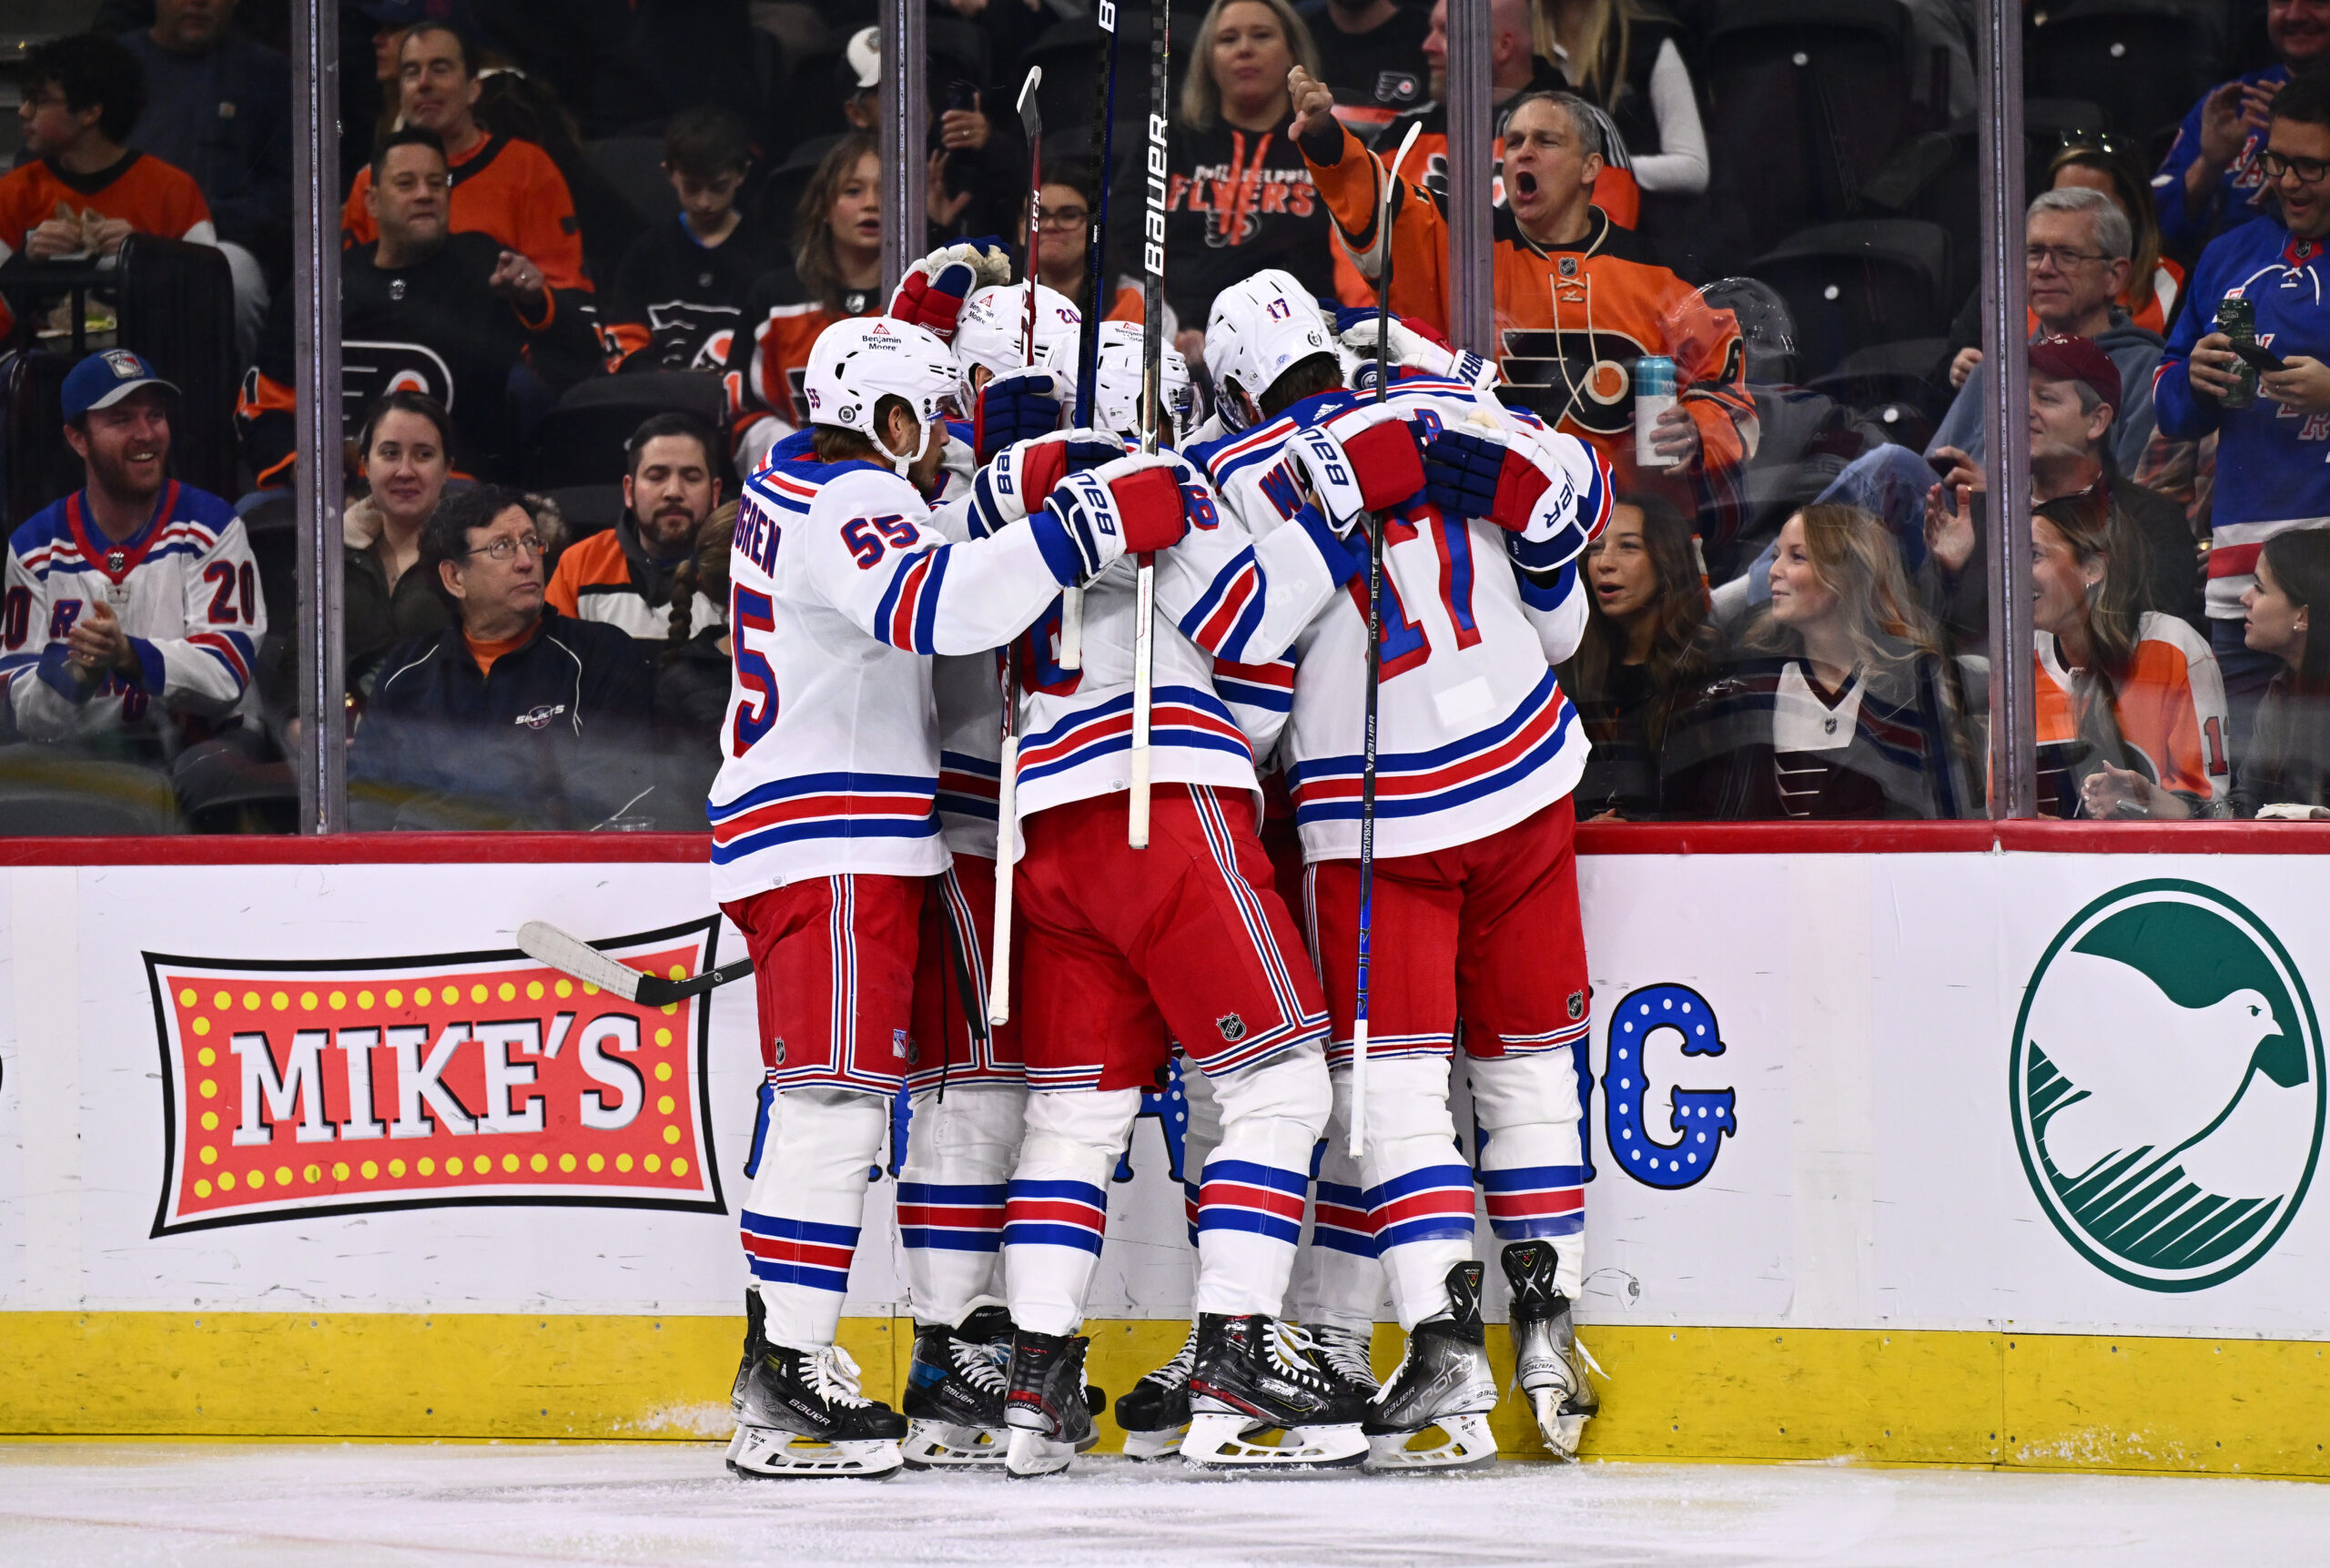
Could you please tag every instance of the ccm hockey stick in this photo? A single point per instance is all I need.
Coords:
(1088, 350)
(569, 955)
(1007, 793)
(1152, 408)
(1374, 670)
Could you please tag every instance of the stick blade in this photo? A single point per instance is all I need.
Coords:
(1030, 115)
(546, 944)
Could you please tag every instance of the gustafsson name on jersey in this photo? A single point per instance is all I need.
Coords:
(320, 1087)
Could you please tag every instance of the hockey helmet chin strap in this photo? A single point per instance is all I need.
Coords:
(906, 462)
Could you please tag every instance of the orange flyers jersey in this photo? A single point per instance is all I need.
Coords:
(1571, 322)
(2171, 710)
(508, 189)
(770, 352)
(150, 195)
(593, 582)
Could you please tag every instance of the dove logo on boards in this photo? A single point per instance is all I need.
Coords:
(2167, 1083)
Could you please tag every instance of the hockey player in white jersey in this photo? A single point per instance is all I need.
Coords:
(1186, 937)
(823, 831)
(1475, 903)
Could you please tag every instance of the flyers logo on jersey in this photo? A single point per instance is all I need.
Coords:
(293, 1089)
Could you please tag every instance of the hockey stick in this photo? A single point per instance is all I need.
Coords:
(569, 955)
(1088, 367)
(1007, 793)
(1152, 411)
(1374, 670)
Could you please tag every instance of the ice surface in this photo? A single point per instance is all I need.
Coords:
(356, 1505)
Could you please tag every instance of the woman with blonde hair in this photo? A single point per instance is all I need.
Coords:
(2130, 709)
(1621, 57)
(1237, 195)
(1841, 704)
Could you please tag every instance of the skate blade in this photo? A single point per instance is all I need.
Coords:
(1468, 1445)
(1031, 1455)
(762, 1453)
(1224, 1442)
(937, 1445)
(1562, 1431)
(1147, 1446)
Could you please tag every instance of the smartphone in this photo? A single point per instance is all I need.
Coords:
(2260, 359)
(962, 95)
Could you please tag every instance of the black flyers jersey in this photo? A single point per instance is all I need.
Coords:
(676, 303)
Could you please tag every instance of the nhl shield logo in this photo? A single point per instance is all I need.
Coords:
(1577, 1006)
(1233, 1026)
(776, 1050)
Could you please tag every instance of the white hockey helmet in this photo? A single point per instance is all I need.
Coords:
(1115, 394)
(856, 363)
(991, 332)
(1258, 327)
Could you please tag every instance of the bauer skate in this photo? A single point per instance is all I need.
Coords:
(1548, 1363)
(755, 1346)
(1254, 1374)
(955, 1387)
(1047, 1405)
(802, 1415)
(1444, 1380)
(1155, 1411)
(1344, 1354)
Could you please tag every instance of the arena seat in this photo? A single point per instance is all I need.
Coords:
(46, 793)
(633, 166)
(2144, 61)
(582, 441)
(40, 466)
(1852, 285)
(178, 309)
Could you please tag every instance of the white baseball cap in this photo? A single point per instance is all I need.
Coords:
(865, 56)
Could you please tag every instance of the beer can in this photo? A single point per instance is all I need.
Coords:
(1654, 395)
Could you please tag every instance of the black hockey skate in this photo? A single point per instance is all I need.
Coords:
(1155, 1411)
(1046, 1407)
(755, 1342)
(1444, 1380)
(1255, 1371)
(1344, 1354)
(1548, 1363)
(955, 1385)
(801, 1415)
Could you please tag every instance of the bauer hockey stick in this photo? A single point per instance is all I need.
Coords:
(570, 955)
(1152, 409)
(1374, 670)
(1087, 351)
(1007, 791)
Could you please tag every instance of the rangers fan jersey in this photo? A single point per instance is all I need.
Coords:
(183, 587)
(1474, 732)
(840, 591)
(1227, 606)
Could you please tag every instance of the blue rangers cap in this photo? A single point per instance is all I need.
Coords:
(104, 377)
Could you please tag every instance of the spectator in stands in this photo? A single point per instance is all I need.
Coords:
(2213, 178)
(1565, 275)
(1370, 52)
(82, 190)
(1841, 704)
(219, 106)
(2075, 387)
(1063, 225)
(132, 610)
(1647, 651)
(2271, 472)
(2130, 708)
(1622, 57)
(679, 295)
(692, 680)
(515, 715)
(2076, 251)
(511, 103)
(2154, 279)
(977, 179)
(625, 575)
(836, 273)
(2284, 772)
(1238, 197)
(406, 454)
(509, 190)
(452, 312)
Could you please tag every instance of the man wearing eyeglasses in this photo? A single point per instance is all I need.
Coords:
(2213, 178)
(516, 716)
(1063, 215)
(2272, 470)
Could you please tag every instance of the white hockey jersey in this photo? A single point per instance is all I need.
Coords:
(185, 589)
(841, 591)
(1226, 603)
(1475, 734)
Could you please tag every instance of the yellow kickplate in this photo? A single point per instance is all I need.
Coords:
(2023, 1400)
